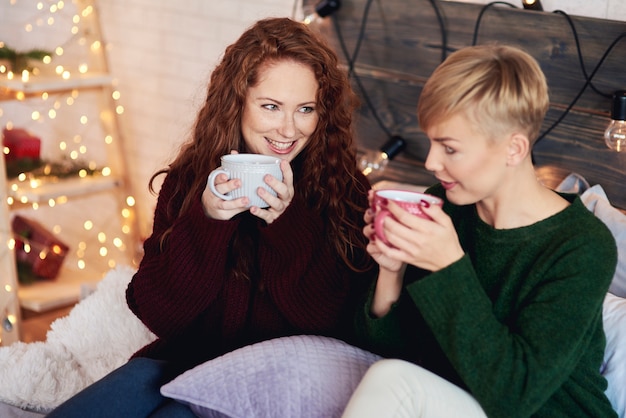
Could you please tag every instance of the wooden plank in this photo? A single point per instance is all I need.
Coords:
(402, 46)
(405, 36)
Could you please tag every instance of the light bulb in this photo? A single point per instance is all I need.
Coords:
(532, 5)
(321, 10)
(373, 162)
(615, 134)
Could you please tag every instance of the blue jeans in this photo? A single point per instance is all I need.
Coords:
(133, 390)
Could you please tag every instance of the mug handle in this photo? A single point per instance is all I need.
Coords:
(211, 183)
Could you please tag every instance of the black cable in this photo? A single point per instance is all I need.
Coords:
(359, 38)
(442, 29)
(294, 8)
(582, 90)
(351, 61)
(482, 12)
(579, 51)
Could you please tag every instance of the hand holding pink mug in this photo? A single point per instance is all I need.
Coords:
(412, 202)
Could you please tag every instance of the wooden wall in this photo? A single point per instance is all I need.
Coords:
(402, 45)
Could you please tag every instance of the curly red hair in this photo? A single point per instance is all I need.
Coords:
(325, 171)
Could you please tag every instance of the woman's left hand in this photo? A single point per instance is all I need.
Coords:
(284, 194)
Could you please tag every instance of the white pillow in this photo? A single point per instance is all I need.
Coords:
(596, 201)
(614, 366)
(300, 376)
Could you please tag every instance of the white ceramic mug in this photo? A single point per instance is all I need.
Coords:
(410, 201)
(251, 169)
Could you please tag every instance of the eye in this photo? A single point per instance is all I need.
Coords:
(449, 150)
(307, 109)
(270, 106)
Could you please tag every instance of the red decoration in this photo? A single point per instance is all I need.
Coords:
(21, 144)
(45, 252)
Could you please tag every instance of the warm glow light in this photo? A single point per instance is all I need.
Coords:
(103, 251)
(88, 225)
(58, 50)
(130, 201)
(106, 171)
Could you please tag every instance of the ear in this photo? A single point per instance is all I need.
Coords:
(518, 148)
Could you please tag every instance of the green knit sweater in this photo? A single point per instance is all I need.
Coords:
(517, 321)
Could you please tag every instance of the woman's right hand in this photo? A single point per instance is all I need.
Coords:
(217, 208)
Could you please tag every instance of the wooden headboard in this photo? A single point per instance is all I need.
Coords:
(402, 44)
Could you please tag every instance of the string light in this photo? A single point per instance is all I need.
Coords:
(79, 55)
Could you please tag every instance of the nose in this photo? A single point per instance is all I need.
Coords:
(287, 127)
(432, 163)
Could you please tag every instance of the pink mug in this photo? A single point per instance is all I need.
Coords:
(410, 201)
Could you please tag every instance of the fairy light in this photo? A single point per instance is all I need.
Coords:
(53, 65)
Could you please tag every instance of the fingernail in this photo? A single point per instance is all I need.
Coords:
(425, 203)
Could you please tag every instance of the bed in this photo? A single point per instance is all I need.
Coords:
(401, 45)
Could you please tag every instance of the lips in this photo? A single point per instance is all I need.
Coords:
(281, 147)
(447, 184)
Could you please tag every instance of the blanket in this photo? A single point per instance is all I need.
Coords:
(98, 335)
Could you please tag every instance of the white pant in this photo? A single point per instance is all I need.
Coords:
(396, 388)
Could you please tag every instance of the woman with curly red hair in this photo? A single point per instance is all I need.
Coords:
(217, 274)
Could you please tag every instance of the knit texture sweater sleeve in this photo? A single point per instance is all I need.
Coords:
(177, 281)
(518, 318)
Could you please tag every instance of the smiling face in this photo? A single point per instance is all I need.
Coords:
(280, 113)
(469, 165)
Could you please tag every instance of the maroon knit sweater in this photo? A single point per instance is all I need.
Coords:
(184, 294)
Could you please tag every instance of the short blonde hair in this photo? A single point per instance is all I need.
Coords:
(500, 88)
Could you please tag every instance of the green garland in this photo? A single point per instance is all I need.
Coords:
(42, 168)
(18, 61)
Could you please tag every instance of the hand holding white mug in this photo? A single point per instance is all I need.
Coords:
(251, 170)
(261, 183)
